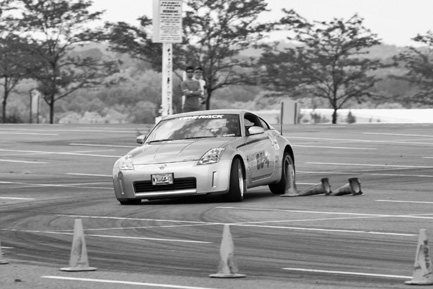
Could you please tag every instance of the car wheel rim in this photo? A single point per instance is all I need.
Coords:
(291, 175)
(289, 172)
(241, 182)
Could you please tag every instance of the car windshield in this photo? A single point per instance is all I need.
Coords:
(197, 126)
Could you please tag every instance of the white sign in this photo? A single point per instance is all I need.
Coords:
(167, 21)
(35, 101)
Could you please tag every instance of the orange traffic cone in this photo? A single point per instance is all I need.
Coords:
(322, 188)
(78, 261)
(352, 187)
(227, 267)
(2, 261)
(422, 271)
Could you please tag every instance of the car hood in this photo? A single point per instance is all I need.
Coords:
(176, 151)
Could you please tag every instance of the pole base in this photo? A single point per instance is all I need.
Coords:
(222, 275)
(78, 269)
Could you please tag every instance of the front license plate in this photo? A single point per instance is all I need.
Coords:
(162, 179)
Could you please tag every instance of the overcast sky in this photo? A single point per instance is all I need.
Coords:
(394, 21)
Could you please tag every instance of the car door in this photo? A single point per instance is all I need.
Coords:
(259, 150)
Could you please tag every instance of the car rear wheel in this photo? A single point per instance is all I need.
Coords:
(287, 176)
(130, 202)
(237, 183)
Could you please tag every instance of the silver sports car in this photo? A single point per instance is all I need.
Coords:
(205, 152)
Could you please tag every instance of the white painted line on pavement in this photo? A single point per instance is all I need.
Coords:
(100, 145)
(60, 153)
(134, 219)
(76, 186)
(92, 183)
(347, 273)
(111, 236)
(339, 139)
(123, 282)
(16, 198)
(401, 201)
(369, 165)
(348, 140)
(6, 130)
(325, 230)
(151, 239)
(249, 224)
(256, 223)
(398, 134)
(329, 147)
(307, 183)
(362, 172)
(189, 223)
(150, 227)
(89, 175)
(414, 216)
(28, 133)
(24, 162)
(94, 151)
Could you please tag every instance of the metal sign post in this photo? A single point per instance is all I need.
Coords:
(167, 29)
(167, 82)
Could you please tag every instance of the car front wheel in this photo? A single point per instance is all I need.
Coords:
(288, 181)
(237, 183)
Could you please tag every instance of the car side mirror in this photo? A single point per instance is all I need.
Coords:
(256, 130)
(141, 138)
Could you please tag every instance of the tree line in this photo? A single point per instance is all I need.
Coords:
(40, 41)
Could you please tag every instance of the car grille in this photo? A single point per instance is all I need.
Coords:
(178, 184)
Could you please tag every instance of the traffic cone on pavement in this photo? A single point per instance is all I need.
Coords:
(422, 271)
(291, 191)
(78, 261)
(322, 188)
(2, 260)
(352, 187)
(227, 267)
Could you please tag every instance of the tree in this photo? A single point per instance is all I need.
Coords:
(418, 63)
(215, 32)
(53, 30)
(11, 72)
(324, 62)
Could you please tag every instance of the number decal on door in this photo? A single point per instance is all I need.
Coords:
(262, 160)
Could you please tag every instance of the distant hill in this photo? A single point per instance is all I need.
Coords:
(383, 51)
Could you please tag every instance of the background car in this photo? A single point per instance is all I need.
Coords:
(205, 152)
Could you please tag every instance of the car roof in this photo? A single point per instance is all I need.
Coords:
(211, 111)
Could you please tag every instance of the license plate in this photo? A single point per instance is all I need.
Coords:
(162, 179)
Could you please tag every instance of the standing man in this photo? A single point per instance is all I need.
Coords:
(192, 91)
(198, 75)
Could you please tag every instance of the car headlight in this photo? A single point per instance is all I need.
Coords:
(212, 156)
(126, 163)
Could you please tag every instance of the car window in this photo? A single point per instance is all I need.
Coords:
(251, 120)
(265, 125)
(197, 126)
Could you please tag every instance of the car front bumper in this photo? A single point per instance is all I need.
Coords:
(189, 179)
